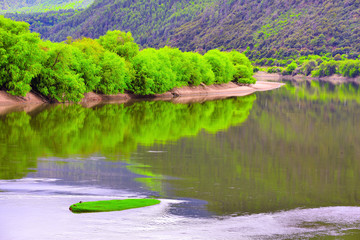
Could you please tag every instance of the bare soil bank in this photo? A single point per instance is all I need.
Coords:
(335, 79)
(185, 94)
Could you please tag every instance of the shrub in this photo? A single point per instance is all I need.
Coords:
(221, 65)
(199, 69)
(325, 69)
(243, 70)
(308, 66)
(289, 69)
(350, 68)
(153, 73)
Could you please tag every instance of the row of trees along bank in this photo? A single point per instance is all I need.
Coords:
(312, 65)
(110, 64)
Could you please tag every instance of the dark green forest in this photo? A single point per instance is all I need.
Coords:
(110, 64)
(265, 28)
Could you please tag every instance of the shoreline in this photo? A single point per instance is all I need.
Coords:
(277, 77)
(179, 95)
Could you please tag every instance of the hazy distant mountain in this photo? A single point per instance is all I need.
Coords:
(269, 27)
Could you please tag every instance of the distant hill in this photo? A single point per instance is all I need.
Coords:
(149, 21)
(270, 28)
(31, 6)
(276, 28)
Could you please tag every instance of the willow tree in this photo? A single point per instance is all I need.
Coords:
(20, 56)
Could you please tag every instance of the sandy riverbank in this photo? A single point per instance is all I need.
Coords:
(184, 94)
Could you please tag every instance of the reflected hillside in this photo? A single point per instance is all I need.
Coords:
(110, 130)
(325, 91)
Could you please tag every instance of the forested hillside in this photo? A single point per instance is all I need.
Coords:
(267, 28)
(276, 28)
(27, 6)
(149, 21)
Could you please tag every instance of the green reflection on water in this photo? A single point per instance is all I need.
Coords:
(325, 92)
(62, 131)
(293, 151)
(297, 146)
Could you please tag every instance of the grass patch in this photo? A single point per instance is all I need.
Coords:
(111, 205)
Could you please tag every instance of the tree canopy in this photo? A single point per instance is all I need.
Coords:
(110, 64)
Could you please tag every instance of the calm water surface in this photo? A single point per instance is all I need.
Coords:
(283, 164)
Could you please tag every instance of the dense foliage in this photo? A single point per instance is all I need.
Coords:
(111, 64)
(41, 5)
(271, 29)
(313, 65)
(149, 21)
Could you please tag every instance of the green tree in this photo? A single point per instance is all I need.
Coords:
(308, 66)
(325, 69)
(243, 69)
(199, 69)
(180, 65)
(121, 43)
(350, 68)
(89, 59)
(290, 68)
(114, 74)
(20, 56)
(153, 72)
(221, 65)
(61, 77)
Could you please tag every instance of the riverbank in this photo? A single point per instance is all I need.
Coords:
(277, 77)
(200, 92)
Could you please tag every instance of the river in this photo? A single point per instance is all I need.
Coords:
(281, 164)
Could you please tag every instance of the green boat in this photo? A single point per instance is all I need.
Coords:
(111, 205)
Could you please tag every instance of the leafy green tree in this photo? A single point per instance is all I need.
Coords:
(243, 68)
(90, 47)
(121, 43)
(308, 66)
(221, 65)
(350, 68)
(89, 61)
(20, 56)
(115, 75)
(60, 78)
(153, 72)
(180, 65)
(290, 69)
(189, 68)
(325, 69)
(199, 69)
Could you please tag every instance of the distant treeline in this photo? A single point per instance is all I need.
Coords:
(110, 64)
(312, 65)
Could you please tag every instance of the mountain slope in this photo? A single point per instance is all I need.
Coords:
(270, 28)
(276, 27)
(27, 6)
(149, 21)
